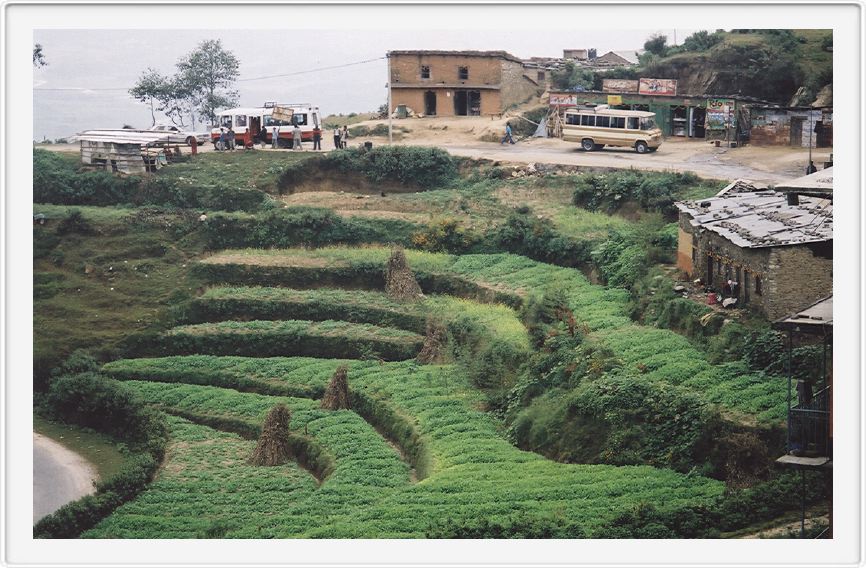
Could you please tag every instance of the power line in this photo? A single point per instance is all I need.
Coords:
(293, 73)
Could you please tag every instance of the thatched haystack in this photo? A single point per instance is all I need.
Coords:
(400, 283)
(337, 394)
(273, 447)
(433, 350)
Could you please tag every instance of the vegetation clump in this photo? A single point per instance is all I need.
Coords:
(400, 283)
(273, 447)
(337, 393)
(435, 339)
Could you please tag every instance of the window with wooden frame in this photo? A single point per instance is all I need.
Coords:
(425, 71)
(463, 73)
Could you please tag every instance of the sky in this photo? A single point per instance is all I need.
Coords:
(94, 91)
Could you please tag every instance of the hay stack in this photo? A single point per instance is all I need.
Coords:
(273, 447)
(400, 283)
(337, 394)
(433, 350)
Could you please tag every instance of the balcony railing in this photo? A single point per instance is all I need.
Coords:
(809, 426)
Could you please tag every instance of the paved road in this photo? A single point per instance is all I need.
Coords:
(59, 476)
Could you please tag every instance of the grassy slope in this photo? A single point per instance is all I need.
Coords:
(98, 449)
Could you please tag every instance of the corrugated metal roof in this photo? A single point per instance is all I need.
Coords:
(819, 181)
(741, 186)
(816, 316)
(122, 136)
(763, 219)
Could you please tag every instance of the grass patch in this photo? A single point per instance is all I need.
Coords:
(98, 449)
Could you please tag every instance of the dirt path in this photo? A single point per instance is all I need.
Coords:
(59, 476)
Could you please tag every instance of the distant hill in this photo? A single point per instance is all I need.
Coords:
(782, 66)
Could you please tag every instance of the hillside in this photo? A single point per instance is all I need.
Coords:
(782, 66)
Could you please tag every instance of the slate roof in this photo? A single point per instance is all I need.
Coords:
(763, 218)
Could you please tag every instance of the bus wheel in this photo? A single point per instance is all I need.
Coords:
(641, 147)
(587, 144)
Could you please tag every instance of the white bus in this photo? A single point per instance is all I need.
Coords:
(255, 124)
(595, 128)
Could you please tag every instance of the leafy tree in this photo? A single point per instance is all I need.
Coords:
(207, 74)
(38, 56)
(572, 77)
(701, 41)
(657, 44)
(151, 87)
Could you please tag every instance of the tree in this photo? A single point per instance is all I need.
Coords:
(657, 44)
(171, 95)
(701, 41)
(38, 56)
(149, 88)
(572, 77)
(208, 74)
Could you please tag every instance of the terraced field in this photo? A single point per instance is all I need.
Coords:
(415, 450)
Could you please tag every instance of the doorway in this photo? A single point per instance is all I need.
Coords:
(429, 103)
(467, 103)
(698, 118)
(709, 271)
(797, 131)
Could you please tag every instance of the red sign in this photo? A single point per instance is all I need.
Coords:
(666, 87)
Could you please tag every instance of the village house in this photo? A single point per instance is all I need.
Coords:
(790, 126)
(771, 251)
(461, 83)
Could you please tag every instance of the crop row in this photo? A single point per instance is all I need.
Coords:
(660, 353)
(473, 471)
(365, 469)
(290, 337)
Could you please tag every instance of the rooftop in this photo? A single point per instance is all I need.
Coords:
(500, 54)
(814, 318)
(763, 218)
(820, 181)
(122, 136)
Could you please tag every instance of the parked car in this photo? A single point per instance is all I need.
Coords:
(179, 136)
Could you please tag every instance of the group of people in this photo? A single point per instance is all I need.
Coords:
(341, 137)
(227, 138)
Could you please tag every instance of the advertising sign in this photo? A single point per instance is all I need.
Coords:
(614, 100)
(657, 87)
(720, 113)
(563, 99)
(619, 85)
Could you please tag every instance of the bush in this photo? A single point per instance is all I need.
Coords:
(525, 234)
(516, 526)
(409, 165)
(444, 234)
(653, 191)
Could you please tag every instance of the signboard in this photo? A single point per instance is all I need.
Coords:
(614, 99)
(720, 114)
(666, 87)
(563, 99)
(619, 86)
(283, 113)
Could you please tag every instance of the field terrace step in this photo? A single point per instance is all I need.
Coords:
(366, 467)
(473, 471)
(264, 338)
(662, 353)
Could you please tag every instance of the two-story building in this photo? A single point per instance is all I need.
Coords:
(459, 83)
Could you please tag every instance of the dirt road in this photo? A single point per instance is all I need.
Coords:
(59, 476)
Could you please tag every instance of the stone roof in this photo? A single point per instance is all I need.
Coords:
(820, 181)
(763, 219)
(815, 317)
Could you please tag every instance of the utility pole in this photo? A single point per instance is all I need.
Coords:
(810, 137)
(388, 84)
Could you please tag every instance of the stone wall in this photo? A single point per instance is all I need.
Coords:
(517, 87)
(775, 281)
(414, 99)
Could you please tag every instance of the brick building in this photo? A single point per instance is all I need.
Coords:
(777, 247)
(460, 83)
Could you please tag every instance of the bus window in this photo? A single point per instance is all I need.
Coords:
(299, 119)
(572, 119)
(633, 122)
(647, 124)
(271, 121)
(226, 121)
(241, 120)
(617, 122)
(603, 121)
(587, 120)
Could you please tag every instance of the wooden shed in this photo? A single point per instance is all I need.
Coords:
(127, 152)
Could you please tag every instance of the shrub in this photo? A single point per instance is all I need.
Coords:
(410, 165)
(527, 235)
(653, 191)
(444, 234)
(515, 526)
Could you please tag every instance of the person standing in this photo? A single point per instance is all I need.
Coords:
(296, 138)
(222, 142)
(337, 138)
(344, 137)
(811, 168)
(317, 138)
(507, 136)
(275, 137)
(230, 137)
